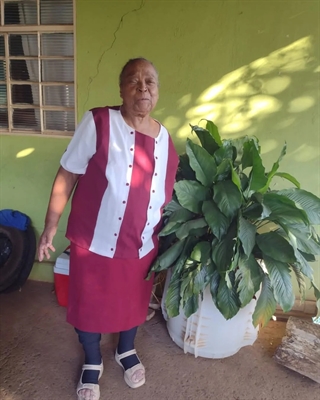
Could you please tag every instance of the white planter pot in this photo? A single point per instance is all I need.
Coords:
(207, 333)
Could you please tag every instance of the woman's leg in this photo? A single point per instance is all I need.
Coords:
(134, 374)
(126, 343)
(91, 346)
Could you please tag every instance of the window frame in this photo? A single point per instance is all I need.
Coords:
(5, 31)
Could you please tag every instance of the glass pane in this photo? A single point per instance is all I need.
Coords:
(2, 70)
(25, 94)
(57, 71)
(3, 94)
(57, 44)
(23, 45)
(56, 12)
(4, 118)
(2, 49)
(23, 12)
(26, 119)
(58, 95)
(24, 70)
(59, 120)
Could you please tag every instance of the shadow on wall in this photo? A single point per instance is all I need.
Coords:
(269, 94)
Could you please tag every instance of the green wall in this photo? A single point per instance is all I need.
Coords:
(28, 165)
(250, 66)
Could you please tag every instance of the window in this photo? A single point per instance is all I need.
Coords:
(37, 67)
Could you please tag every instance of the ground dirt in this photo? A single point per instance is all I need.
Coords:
(40, 359)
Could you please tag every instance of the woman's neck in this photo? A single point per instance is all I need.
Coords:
(141, 123)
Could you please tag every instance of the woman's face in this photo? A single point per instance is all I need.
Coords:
(139, 88)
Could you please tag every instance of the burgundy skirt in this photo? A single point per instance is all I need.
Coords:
(106, 294)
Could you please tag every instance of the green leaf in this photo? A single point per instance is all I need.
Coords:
(305, 239)
(213, 129)
(217, 222)
(187, 228)
(266, 211)
(289, 177)
(201, 252)
(280, 278)
(227, 300)
(256, 271)
(228, 198)
(266, 304)
(237, 251)
(214, 285)
(170, 256)
(191, 305)
(249, 276)
(224, 152)
(247, 235)
(253, 212)
(235, 177)
(258, 177)
(169, 228)
(172, 300)
(187, 280)
(223, 252)
(179, 264)
(304, 266)
(172, 207)
(191, 194)
(284, 210)
(238, 145)
(206, 140)
(202, 276)
(223, 170)
(247, 153)
(181, 215)
(175, 220)
(184, 169)
(244, 181)
(209, 270)
(202, 163)
(273, 170)
(308, 257)
(275, 246)
(307, 201)
(245, 287)
(301, 263)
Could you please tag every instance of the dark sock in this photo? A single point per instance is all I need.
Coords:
(126, 343)
(91, 346)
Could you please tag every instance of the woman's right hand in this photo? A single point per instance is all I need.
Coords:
(61, 191)
(45, 243)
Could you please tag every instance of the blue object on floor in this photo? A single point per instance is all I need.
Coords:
(14, 219)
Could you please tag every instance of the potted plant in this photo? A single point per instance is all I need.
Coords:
(230, 236)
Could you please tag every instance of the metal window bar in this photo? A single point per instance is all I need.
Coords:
(39, 30)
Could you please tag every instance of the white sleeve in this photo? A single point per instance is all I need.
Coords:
(81, 147)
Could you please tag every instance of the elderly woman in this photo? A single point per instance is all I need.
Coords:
(123, 164)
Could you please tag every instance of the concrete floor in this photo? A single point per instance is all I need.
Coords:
(40, 359)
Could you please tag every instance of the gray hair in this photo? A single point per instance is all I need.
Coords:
(133, 61)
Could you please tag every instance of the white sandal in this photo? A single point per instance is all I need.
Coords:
(95, 395)
(130, 374)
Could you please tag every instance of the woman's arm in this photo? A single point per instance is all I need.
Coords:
(62, 188)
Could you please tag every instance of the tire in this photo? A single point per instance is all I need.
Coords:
(28, 260)
(16, 269)
(11, 269)
(5, 248)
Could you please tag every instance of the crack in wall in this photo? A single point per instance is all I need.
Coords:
(92, 78)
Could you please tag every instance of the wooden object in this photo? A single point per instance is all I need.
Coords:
(300, 349)
(307, 309)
